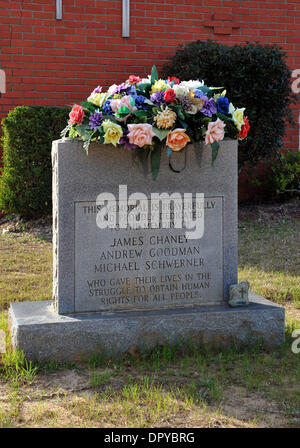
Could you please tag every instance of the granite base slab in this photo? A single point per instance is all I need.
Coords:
(43, 334)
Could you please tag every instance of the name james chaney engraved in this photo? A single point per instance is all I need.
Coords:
(123, 269)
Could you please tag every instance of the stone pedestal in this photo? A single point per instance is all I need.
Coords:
(118, 288)
(42, 333)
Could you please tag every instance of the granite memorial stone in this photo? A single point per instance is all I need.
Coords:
(130, 284)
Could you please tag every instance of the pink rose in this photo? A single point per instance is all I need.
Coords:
(140, 134)
(215, 131)
(122, 102)
(76, 115)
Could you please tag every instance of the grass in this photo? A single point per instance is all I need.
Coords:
(170, 385)
(269, 258)
(25, 269)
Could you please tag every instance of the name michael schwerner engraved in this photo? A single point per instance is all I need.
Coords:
(121, 251)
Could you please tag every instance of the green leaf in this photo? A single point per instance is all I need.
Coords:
(140, 113)
(215, 149)
(155, 161)
(73, 133)
(204, 89)
(160, 133)
(143, 88)
(91, 107)
(66, 130)
(139, 120)
(132, 102)
(86, 146)
(123, 111)
(154, 74)
(181, 114)
(203, 131)
(147, 101)
(84, 131)
(205, 120)
(183, 124)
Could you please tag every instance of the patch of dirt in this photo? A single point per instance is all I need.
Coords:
(272, 210)
(3, 392)
(292, 312)
(204, 420)
(40, 228)
(63, 380)
(244, 405)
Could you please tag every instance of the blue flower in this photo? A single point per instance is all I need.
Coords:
(199, 93)
(131, 91)
(139, 102)
(106, 109)
(223, 105)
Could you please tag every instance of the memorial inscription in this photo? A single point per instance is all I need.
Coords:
(149, 268)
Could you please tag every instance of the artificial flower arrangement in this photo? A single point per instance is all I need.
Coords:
(152, 114)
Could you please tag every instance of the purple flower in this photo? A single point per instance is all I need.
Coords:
(125, 141)
(186, 103)
(209, 107)
(95, 120)
(158, 98)
(120, 87)
(223, 105)
(96, 90)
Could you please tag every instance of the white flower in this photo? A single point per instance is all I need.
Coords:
(194, 109)
(180, 90)
(112, 89)
(145, 80)
(192, 84)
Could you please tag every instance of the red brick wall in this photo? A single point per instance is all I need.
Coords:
(58, 62)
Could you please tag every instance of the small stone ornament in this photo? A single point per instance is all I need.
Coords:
(238, 294)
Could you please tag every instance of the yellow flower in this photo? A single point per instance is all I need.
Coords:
(159, 86)
(218, 95)
(199, 102)
(165, 118)
(113, 132)
(237, 116)
(98, 98)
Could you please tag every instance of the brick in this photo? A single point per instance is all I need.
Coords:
(222, 30)
(60, 56)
